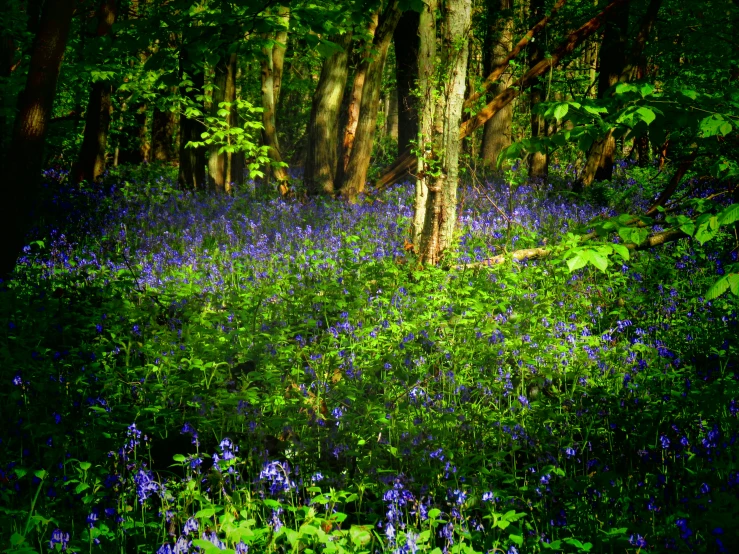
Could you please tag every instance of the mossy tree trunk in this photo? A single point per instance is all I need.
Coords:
(441, 153)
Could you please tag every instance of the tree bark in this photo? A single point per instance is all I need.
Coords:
(359, 160)
(497, 132)
(322, 156)
(91, 162)
(441, 156)
(35, 103)
(405, 39)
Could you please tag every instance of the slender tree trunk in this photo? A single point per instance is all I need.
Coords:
(405, 39)
(392, 114)
(353, 107)
(35, 103)
(192, 160)
(278, 51)
(134, 144)
(224, 91)
(163, 128)
(271, 74)
(539, 161)
(356, 169)
(497, 132)
(321, 159)
(91, 162)
(441, 202)
(599, 164)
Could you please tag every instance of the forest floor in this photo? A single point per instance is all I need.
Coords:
(190, 371)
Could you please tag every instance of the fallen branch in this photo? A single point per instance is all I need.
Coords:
(526, 254)
(502, 66)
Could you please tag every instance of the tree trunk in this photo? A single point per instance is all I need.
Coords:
(91, 162)
(497, 132)
(599, 164)
(192, 160)
(539, 161)
(359, 160)
(35, 103)
(405, 39)
(353, 106)
(224, 91)
(279, 49)
(321, 160)
(426, 88)
(163, 128)
(269, 133)
(133, 143)
(392, 115)
(441, 201)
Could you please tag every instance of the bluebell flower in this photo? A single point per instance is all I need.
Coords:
(59, 537)
(145, 485)
(182, 546)
(191, 526)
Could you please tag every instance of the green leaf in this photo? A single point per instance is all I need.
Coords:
(518, 539)
(729, 215)
(734, 283)
(646, 114)
(84, 466)
(577, 262)
(561, 110)
(621, 250)
(599, 261)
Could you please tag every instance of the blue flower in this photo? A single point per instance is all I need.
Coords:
(191, 525)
